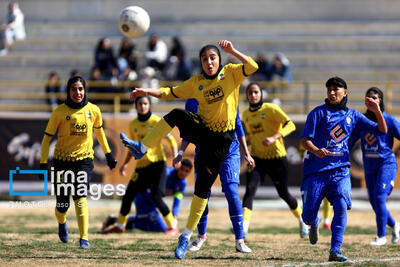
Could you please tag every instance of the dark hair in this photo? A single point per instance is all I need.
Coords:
(74, 80)
(251, 84)
(187, 163)
(337, 82)
(376, 90)
(140, 97)
(210, 47)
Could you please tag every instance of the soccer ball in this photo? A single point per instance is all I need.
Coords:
(133, 21)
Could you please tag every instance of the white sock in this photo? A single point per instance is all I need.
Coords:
(143, 148)
(246, 226)
(175, 223)
(187, 233)
(326, 221)
(120, 226)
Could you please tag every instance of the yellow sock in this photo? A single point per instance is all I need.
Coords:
(247, 214)
(159, 131)
(297, 212)
(61, 217)
(122, 219)
(82, 216)
(196, 210)
(327, 209)
(169, 219)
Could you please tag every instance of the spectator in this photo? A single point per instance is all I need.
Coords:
(75, 72)
(53, 87)
(280, 69)
(104, 59)
(127, 61)
(263, 72)
(179, 68)
(99, 85)
(13, 29)
(176, 47)
(156, 53)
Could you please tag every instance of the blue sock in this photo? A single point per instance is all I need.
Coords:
(338, 223)
(235, 208)
(381, 213)
(202, 225)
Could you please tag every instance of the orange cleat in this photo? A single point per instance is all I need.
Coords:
(114, 229)
(172, 231)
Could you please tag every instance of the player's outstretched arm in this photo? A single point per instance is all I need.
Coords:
(137, 92)
(373, 106)
(309, 146)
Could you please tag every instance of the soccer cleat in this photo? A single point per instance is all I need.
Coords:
(84, 244)
(327, 226)
(111, 219)
(172, 231)
(314, 232)
(395, 233)
(242, 247)
(198, 242)
(337, 256)
(180, 250)
(132, 145)
(63, 232)
(114, 229)
(378, 241)
(303, 229)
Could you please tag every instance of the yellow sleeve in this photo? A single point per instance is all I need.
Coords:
(131, 131)
(250, 67)
(51, 130)
(287, 125)
(44, 152)
(184, 90)
(171, 140)
(99, 132)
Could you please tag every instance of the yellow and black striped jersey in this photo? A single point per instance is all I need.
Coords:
(218, 98)
(137, 130)
(268, 120)
(74, 128)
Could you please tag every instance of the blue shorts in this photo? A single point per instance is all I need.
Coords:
(329, 184)
(381, 179)
(230, 171)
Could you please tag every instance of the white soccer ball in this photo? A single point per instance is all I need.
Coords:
(133, 21)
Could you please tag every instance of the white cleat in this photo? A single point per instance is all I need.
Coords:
(303, 229)
(378, 241)
(198, 242)
(242, 247)
(395, 233)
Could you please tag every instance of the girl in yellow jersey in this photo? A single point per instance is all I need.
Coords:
(266, 125)
(211, 129)
(74, 121)
(150, 170)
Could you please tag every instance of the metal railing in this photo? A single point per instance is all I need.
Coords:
(295, 97)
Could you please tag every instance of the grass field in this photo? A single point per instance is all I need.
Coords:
(28, 236)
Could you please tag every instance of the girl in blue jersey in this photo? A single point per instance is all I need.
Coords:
(380, 167)
(326, 171)
(229, 176)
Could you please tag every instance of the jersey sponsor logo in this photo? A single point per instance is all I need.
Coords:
(214, 95)
(78, 129)
(256, 128)
(338, 133)
(370, 139)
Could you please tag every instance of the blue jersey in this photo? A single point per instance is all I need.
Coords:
(173, 182)
(331, 129)
(377, 148)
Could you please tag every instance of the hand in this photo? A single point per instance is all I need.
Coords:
(269, 141)
(111, 162)
(122, 169)
(43, 166)
(176, 162)
(251, 162)
(322, 153)
(136, 92)
(226, 46)
(372, 104)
